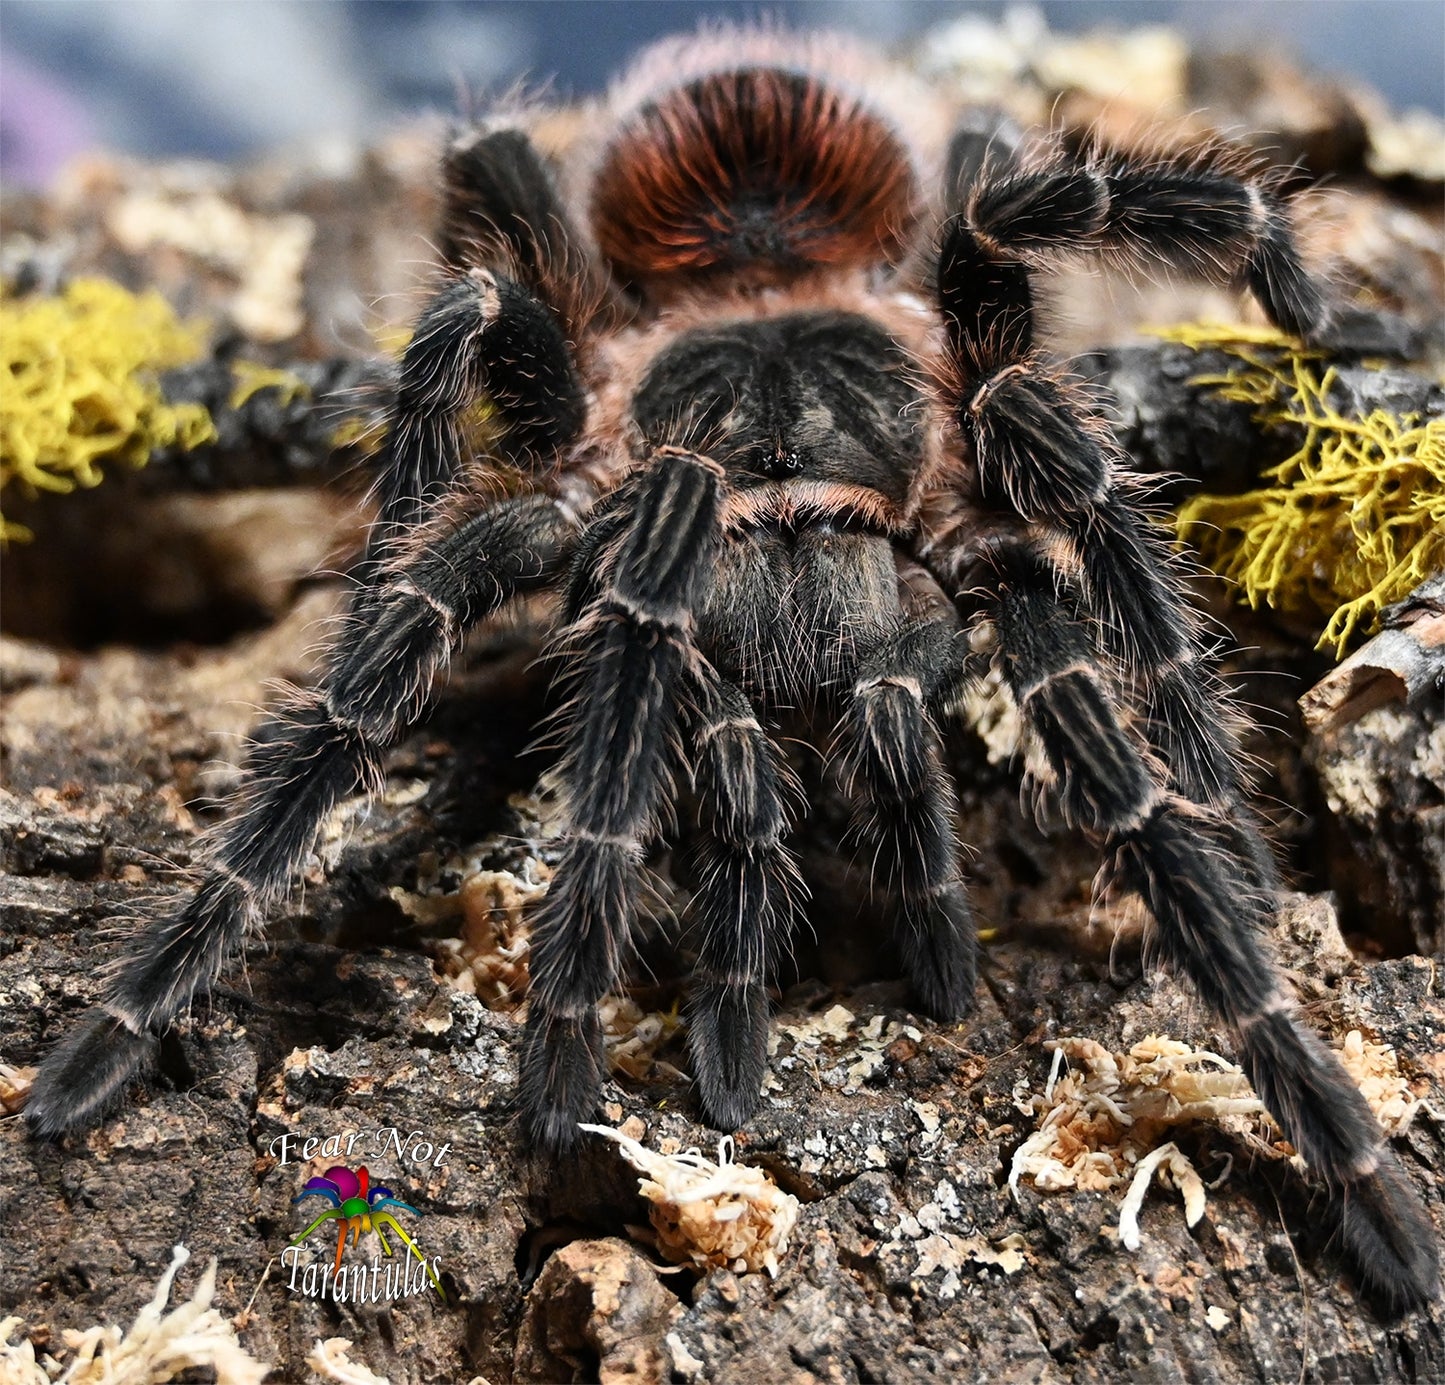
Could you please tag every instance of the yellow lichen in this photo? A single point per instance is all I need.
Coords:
(358, 433)
(1351, 521)
(251, 378)
(81, 386)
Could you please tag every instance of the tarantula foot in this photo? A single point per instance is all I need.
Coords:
(85, 1075)
(728, 1036)
(562, 1067)
(1390, 1239)
(940, 955)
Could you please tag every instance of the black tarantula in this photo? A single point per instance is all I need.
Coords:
(760, 351)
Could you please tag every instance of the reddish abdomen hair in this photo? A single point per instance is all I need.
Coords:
(757, 167)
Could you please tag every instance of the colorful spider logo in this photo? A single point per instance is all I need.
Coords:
(360, 1207)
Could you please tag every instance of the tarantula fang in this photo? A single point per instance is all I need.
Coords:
(774, 426)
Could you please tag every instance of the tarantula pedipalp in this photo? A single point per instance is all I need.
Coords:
(773, 425)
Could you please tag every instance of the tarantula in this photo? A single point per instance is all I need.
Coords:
(770, 419)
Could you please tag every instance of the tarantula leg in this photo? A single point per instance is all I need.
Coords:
(310, 756)
(480, 335)
(984, 138)
(1127, 573)
(747, 902)
(633, 657)
(496, 331)
(1042, 452)
(1201, 211)
(892, 754)
(501, 210)
(1208, 934)
(1384, 1228)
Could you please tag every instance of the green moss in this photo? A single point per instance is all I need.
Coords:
(1352, 520)
(81, 386)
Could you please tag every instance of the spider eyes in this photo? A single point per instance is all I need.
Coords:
(776, 463)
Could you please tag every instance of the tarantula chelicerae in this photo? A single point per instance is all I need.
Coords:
(774, 425)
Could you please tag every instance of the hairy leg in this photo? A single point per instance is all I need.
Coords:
(480, 336)
(315, 751)
(491, 332)
(1044, 457)
(1214, 211)
(517, 291)
(501, 211)
(907, 810)
(884, 672)
(747, 902)
(631, 662)
(1208, 932)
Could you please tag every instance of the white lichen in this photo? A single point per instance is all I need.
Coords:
(1104, 1123)
(715, 1215)
(862, 1059)
(1170, 1160)
(632, 1038)
(266, 255)
(159, 1346)
(18, 1365)
(330, 1361)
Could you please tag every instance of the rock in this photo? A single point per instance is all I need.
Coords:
(1380, 779)
(598, 1312)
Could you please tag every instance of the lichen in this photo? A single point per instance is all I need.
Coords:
(251, 378)
(330, 1361)
(265, 255)
(1100, 1125)
(632, 1038)
(159, 1346)
(711, 1215)
(81, 373)
(1351, 521)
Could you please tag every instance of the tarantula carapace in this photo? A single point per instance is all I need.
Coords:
(769, 416)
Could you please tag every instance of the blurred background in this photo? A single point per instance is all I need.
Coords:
(224, 79)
